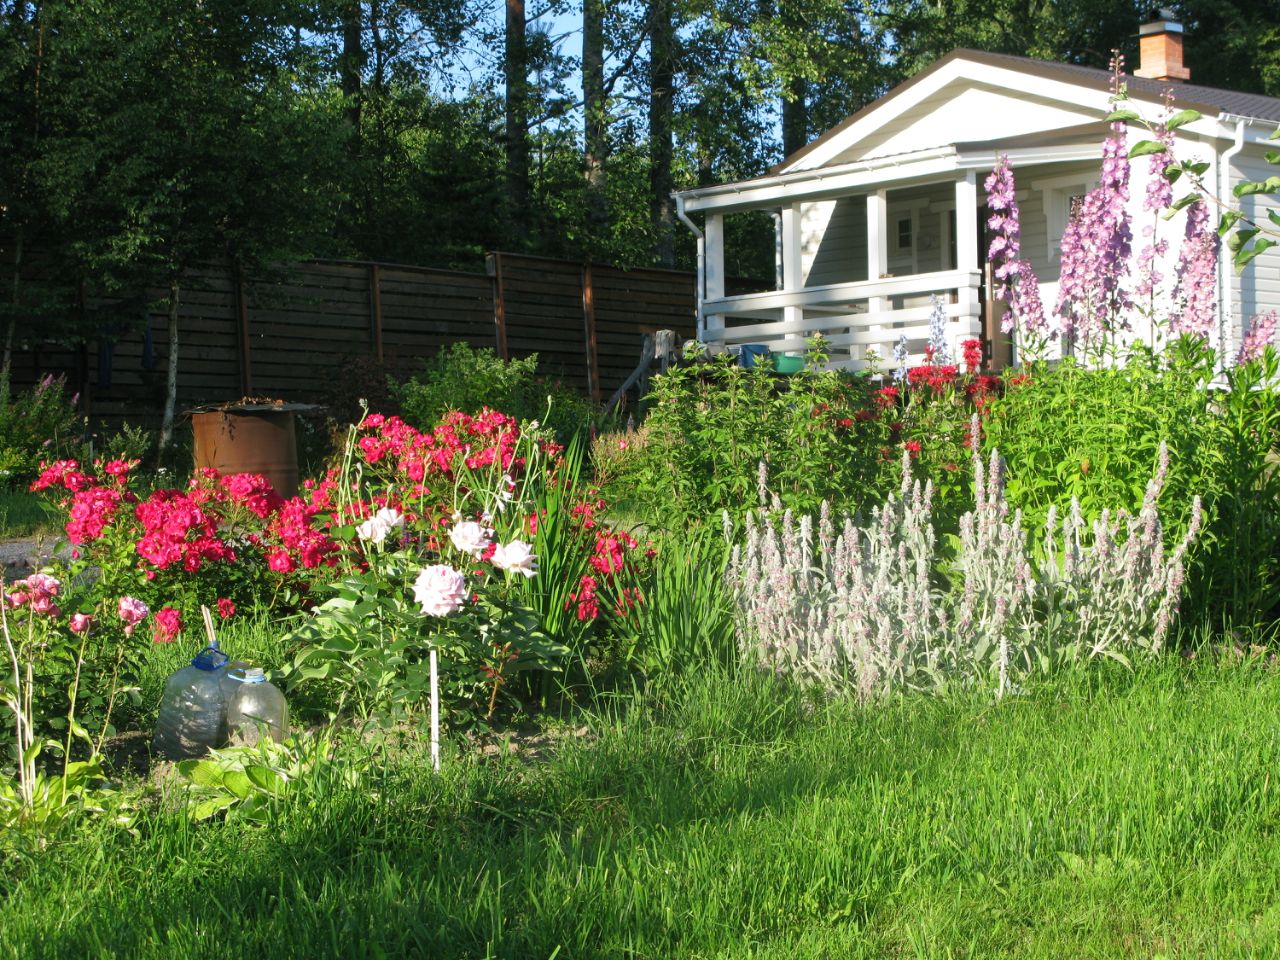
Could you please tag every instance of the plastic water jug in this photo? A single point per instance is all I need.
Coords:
(231, 684)
(193, 708)
(257, 708)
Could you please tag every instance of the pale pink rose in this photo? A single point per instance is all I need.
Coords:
(516, 557)
(471, 538)
(380, 525)
(440, 590)
(81, 623)
(132, 612)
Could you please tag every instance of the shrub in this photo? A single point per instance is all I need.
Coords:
(39, 424)
(821, 435)
(1095, 434)
(463, 377)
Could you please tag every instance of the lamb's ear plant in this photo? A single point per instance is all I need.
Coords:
(862, 607)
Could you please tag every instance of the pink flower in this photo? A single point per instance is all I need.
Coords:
(168, 624)
(81, 623)
(440, 590)
(43, 604)
(1262, 334)
(226, 608)
(43, 583)
(132, 612)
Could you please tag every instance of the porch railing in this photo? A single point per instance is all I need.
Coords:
(852, 317)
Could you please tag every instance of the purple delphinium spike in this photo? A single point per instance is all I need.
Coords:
(1017, 281)
(1195, 295)
(1096, 246)
(1262, 334)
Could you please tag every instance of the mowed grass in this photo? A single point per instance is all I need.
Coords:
(1110, 816)
(24, 514)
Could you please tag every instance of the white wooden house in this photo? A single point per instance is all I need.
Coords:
(885, 210)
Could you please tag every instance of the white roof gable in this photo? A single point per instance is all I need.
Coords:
(968, 96)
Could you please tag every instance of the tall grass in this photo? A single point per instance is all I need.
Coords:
(1107, 814)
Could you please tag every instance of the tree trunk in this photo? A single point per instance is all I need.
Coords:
(351, 64)
(595, 118)
(6, 364)
(795, 116)
(516, 71)
(171, 382)
(662, 42)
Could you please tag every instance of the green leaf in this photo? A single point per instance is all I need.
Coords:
(203, 773)
(1250, 187)
(1124, 115)
(211, 806)
(264, 778)
(1181, 119)
(1229, 219)
(1244, 256)
(238, 783)
(1180, 204)
(1145, 148)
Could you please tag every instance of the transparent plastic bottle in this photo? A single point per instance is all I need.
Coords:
(231, 684)
(256, 708)
(193, 709)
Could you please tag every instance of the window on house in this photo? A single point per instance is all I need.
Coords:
(904, 233)
(1062, 206)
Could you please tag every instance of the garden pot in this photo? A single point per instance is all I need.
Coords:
(787, 363)
(753, 355)
(249, 438)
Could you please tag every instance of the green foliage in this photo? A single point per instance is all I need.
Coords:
(1093, 435)
(252, 782)
(463, 377)
(712, 423)
(36, 425)
(1084, 819)
(677, 617)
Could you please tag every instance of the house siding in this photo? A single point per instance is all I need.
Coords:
(834, 241)
(1257, 290)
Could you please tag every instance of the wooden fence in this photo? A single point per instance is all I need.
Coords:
(296, 335)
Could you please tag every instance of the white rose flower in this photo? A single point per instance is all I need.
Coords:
(440, 590)
(516, 557)
(471, 538)
(380, 525)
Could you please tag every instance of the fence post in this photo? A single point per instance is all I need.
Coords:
(375, 309)
(589, 323)
(242, 334)
(493, 266)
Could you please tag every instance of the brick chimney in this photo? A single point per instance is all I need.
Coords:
(1160, 49)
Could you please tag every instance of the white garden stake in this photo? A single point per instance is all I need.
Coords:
(435, 715)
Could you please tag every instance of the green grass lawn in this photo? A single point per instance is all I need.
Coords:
(1114, 817)
(24, 514)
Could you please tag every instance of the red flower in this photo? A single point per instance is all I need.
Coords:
(913, 447)
(168, 624)
(226, 608)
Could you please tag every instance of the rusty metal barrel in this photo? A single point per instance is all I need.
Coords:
(250, 438)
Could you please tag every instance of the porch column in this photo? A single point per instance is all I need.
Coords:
(714, 267)
(967, 256)
(792, 262)
(878, 258)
